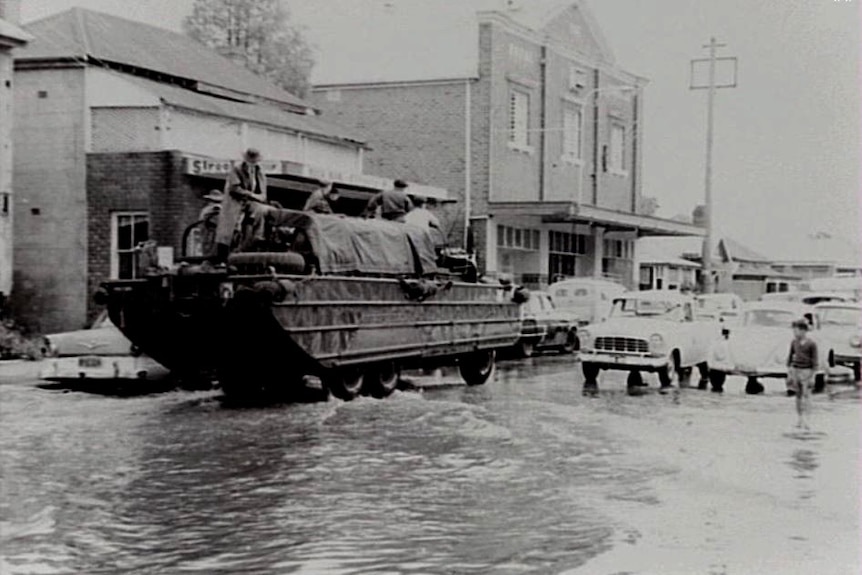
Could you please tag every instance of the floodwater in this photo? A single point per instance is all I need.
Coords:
(522, 475)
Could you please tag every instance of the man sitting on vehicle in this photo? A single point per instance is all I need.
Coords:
(393, 204)
(323, 200)
(244, 206)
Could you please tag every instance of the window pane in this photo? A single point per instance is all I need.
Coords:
(124, 232)
(141, 230)
(501, 235)
(537, 239)
(518, 238)
(510, 237)
(127, 265)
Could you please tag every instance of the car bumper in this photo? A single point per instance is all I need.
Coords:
(776, 371)
(101, 367)
(628, 362)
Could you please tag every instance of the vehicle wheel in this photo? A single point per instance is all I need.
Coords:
(571, 344)
(669, 375)
(703, 370)
(382, 379)
(525, 348)
(635, 379)
(477, 367)
(716, 379)
(344, 383)
(819, 383)
(685, 376)
(591, 371)
(753, 387)
(857, 371)
(831, 359)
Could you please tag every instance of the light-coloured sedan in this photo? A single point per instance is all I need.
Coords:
(841, 327)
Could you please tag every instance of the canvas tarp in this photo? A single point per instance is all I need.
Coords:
(354, 245)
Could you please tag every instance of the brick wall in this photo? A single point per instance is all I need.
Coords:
(152, 182)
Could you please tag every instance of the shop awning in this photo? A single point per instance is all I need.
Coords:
(612, 220)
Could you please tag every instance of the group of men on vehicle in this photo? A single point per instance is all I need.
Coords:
(238, 215)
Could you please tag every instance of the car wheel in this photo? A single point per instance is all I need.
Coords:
(703, 370)
(635, 379)
(525, 348)
(571, 344)
(591, 372)
(753, 387)
(344, 383)
(716, 380)
(819, 383)
(857, 371)
(382, 380)
(831, 359)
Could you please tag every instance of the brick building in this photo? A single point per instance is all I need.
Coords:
(520, 112)
(11, 36)
(123, 128)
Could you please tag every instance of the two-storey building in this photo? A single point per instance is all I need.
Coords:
(520, 112)
(11, 36)
(123, 128)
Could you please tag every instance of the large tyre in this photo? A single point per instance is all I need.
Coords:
(382, 379)
(716, 380)
(857, 371)
(476, 368)
(634, 379)
(753, 387)
(282, 262)
(344, 383)
(591, 372)
(571, 344)
(525, 348)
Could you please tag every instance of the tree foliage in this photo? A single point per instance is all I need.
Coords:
(257, 34)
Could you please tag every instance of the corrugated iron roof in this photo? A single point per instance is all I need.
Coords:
(85, 34)
(260, 113)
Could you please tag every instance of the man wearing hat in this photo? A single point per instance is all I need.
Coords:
(802, 364)
(422, 217)
(394, 204)
(210, 217)
(244, 196)
(323, 199)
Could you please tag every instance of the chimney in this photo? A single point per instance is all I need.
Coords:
(10, 11)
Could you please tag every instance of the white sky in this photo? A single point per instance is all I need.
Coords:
(787, 149)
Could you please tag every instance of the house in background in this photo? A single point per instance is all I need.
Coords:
(518, 110)
(122, 129)
(819, 255)
(11, 37)
(671, 263)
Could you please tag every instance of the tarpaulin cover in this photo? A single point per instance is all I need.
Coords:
(354, 245)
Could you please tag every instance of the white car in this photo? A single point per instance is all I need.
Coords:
(841, 329)
(590, 299)
(652, 331)
(759, 344)
(718, 306)
(543, 326)
(101, 353)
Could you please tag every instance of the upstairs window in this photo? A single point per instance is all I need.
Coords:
(572, 123)
(519, 119)
(616, 159)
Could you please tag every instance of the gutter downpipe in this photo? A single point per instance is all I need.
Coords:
(468, 161)
(596, 137)
(543, 110)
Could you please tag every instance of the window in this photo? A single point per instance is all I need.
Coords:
(617, 149)
(517, 238)
(519, 117)
(128, 229)
(563, 249)
(572, 122)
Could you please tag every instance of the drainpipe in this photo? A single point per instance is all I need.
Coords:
(468, 160)
(543, 92)
(596, 80)
(635, 150)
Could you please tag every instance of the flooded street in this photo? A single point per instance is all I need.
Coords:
(522, 475)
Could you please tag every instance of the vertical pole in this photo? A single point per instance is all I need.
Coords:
(708, 284)
(468, 161)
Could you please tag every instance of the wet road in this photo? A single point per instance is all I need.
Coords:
(522, 475)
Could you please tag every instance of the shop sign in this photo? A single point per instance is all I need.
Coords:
(204, 166)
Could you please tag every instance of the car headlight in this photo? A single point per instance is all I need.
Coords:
(856, 341)
(48, 348)
(656, 343)
(584, 336)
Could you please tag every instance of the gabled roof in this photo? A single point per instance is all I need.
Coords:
(376, 41)
(257, 112)
(10, 34)
(96, 37)
(734, 251)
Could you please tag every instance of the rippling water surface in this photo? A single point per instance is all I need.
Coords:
(512, 477)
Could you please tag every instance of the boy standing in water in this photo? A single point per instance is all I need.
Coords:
(801, 367)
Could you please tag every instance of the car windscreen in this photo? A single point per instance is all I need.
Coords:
(629, 307)
(839, 316)
(769, 318)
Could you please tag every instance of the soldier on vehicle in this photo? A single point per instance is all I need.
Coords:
(393, 204)
(244, 204)
(323, 200)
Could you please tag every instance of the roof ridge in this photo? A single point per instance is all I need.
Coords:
(82, 30)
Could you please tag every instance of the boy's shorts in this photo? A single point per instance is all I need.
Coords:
(800, 379)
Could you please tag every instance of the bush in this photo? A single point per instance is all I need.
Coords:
(15, 343)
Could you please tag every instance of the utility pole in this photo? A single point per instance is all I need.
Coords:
(712, 85)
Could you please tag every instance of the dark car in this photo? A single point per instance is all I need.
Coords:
(543, 326)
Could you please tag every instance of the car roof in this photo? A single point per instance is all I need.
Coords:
(794, 307)
(596, 282)
(657, 295)
(839, 304)
(719, 296)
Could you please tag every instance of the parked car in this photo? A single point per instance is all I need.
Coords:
(847, 286)
(718, 306)
(758, 346)
(652, 331)
(590, 299)
(543, 326)
(841, 327)
(101, 352)
(806, 297)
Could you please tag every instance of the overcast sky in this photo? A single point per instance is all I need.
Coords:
(787, 151)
